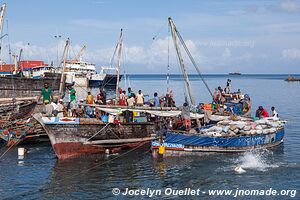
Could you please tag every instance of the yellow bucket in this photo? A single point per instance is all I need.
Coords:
(161, 150)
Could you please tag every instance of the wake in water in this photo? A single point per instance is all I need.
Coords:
(256, 160)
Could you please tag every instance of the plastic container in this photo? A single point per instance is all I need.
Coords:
(21, 151)
(104, 118)
(111, 119)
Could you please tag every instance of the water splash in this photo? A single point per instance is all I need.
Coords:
(257, 160)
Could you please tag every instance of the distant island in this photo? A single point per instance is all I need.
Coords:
(235, 73)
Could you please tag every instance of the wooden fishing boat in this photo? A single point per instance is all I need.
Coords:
(22, 131)
(73, 137)
(18, 110)
(11, 87)
(181, 144)
(234, 134)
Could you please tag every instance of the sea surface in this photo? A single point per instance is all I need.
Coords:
(39, 175)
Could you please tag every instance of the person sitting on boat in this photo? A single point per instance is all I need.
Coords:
(261, 113)
(246, 106)
(131, 100)
(46, 93)
(101, 97)
(185, 113)
(220, 95)
(80, 111)
(90, 98)
(139, 98)
(122, 101)
(60, 108)
(274, 112)
(88, 113)
(215, 95)
(48, 109)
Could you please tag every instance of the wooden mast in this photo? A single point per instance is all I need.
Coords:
(2, 12)
(119, 65)
(65, 54)
(180, 59)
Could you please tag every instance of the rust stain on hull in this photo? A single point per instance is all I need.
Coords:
(76, 149)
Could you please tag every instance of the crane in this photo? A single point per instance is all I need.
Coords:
(78, 56)
(20, 55)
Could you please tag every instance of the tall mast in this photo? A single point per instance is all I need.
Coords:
(66, 50)
(2, 12)
(119, 65)
(180, 59)
(3, 8)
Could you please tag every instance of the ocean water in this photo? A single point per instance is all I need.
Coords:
(41, 176)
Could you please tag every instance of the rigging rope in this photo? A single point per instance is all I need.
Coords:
(193, 61)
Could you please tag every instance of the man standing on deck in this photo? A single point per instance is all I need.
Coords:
(46, 93)
(101, 97)
(129, 94)
(90, 98)
(139, 98)
(156, 100)
(70, 97)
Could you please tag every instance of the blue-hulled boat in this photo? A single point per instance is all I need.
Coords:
(178, 143)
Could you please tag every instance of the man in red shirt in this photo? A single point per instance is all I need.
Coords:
(261, 112)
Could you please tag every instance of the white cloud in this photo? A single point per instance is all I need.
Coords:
(290, 54)
(289, 6)
(149, 58)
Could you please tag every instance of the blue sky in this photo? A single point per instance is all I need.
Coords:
(224, 36)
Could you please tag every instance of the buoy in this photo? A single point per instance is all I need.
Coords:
(239, 169)
(161, 150)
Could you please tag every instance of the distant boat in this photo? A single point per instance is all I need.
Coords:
(235, 73)
(292, 78)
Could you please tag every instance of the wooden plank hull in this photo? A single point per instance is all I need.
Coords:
(26, 87)
(223, 145)
(74, 137)
(17, 111)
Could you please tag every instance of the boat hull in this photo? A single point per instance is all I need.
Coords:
(109, 80)
(180, 144)
(75, 137)
(11, 87)
(13, 111)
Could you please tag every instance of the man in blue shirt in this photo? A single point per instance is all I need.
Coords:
(156, 100)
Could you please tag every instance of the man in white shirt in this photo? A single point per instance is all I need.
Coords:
(139, 98)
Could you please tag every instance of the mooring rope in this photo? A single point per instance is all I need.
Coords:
(15, 144)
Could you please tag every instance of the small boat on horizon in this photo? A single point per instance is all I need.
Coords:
(292, 79)
(235, 73)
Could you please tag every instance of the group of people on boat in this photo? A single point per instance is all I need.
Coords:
(67, 106)
(261, 112)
